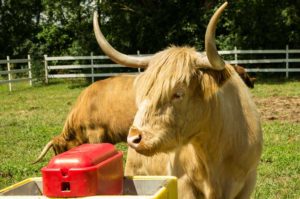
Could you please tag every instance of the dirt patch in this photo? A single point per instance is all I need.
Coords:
(279, 108)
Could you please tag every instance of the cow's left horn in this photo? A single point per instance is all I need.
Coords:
(113, 54)
(43, 153)
(210, 44)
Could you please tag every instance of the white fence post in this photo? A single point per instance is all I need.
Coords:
(46, 69)
(138, 53)
(9, 74)
(29, 70)
(92, 67)
(287, 61)
(11, 71)
(235, 56)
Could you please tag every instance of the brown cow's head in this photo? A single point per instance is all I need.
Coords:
(60, 144)
(249, 81)
(173, 92)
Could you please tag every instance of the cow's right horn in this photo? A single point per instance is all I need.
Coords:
(210, 44)
(113, 54)
(43, 153)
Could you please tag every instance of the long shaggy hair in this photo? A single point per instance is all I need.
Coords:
(178, 66)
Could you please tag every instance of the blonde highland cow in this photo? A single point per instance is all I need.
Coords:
(195, 120)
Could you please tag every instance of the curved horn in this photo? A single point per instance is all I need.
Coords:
(210, 44)
(113, 54)
(44, 151)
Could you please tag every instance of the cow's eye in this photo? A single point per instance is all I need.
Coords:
(178, 95)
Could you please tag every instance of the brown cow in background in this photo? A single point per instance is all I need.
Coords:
(103, 112)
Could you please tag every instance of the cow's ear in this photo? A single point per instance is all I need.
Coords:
(199, 73)
(197, 82)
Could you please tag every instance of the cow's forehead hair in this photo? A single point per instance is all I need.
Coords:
(168, 69)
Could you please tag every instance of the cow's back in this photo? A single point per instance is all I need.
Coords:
(106, 109)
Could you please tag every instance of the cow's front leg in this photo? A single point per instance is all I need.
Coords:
(246, 191)
(187, 190)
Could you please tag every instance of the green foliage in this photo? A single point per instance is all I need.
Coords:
(17, 26)
(39, 27)
(66, 28)
(264, 24)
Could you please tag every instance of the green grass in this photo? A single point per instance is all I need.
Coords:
(277, 88)
(29, 117)
(279, 170)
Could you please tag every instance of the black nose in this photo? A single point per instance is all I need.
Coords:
(137, 139)
(134, 137)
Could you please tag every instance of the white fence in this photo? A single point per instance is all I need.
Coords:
(287, 57)
(11, 71)
(92, 65)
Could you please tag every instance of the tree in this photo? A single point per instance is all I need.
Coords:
(262, 24)
(65, 27)
(17, 26)
(150, 26)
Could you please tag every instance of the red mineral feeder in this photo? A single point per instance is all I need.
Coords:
(86, 170)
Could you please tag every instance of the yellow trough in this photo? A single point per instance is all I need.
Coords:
(142, 187)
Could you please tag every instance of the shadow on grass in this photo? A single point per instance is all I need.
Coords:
(274, 78)
(81, 83)
(71, 83)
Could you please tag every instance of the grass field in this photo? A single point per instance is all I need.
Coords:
(29, 117)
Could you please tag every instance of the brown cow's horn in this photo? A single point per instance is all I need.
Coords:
(116, 56)
(210, 44)
(43, 153)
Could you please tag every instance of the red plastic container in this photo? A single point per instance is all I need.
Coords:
(89, 169)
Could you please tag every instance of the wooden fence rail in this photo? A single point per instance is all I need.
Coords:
(9, 72)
